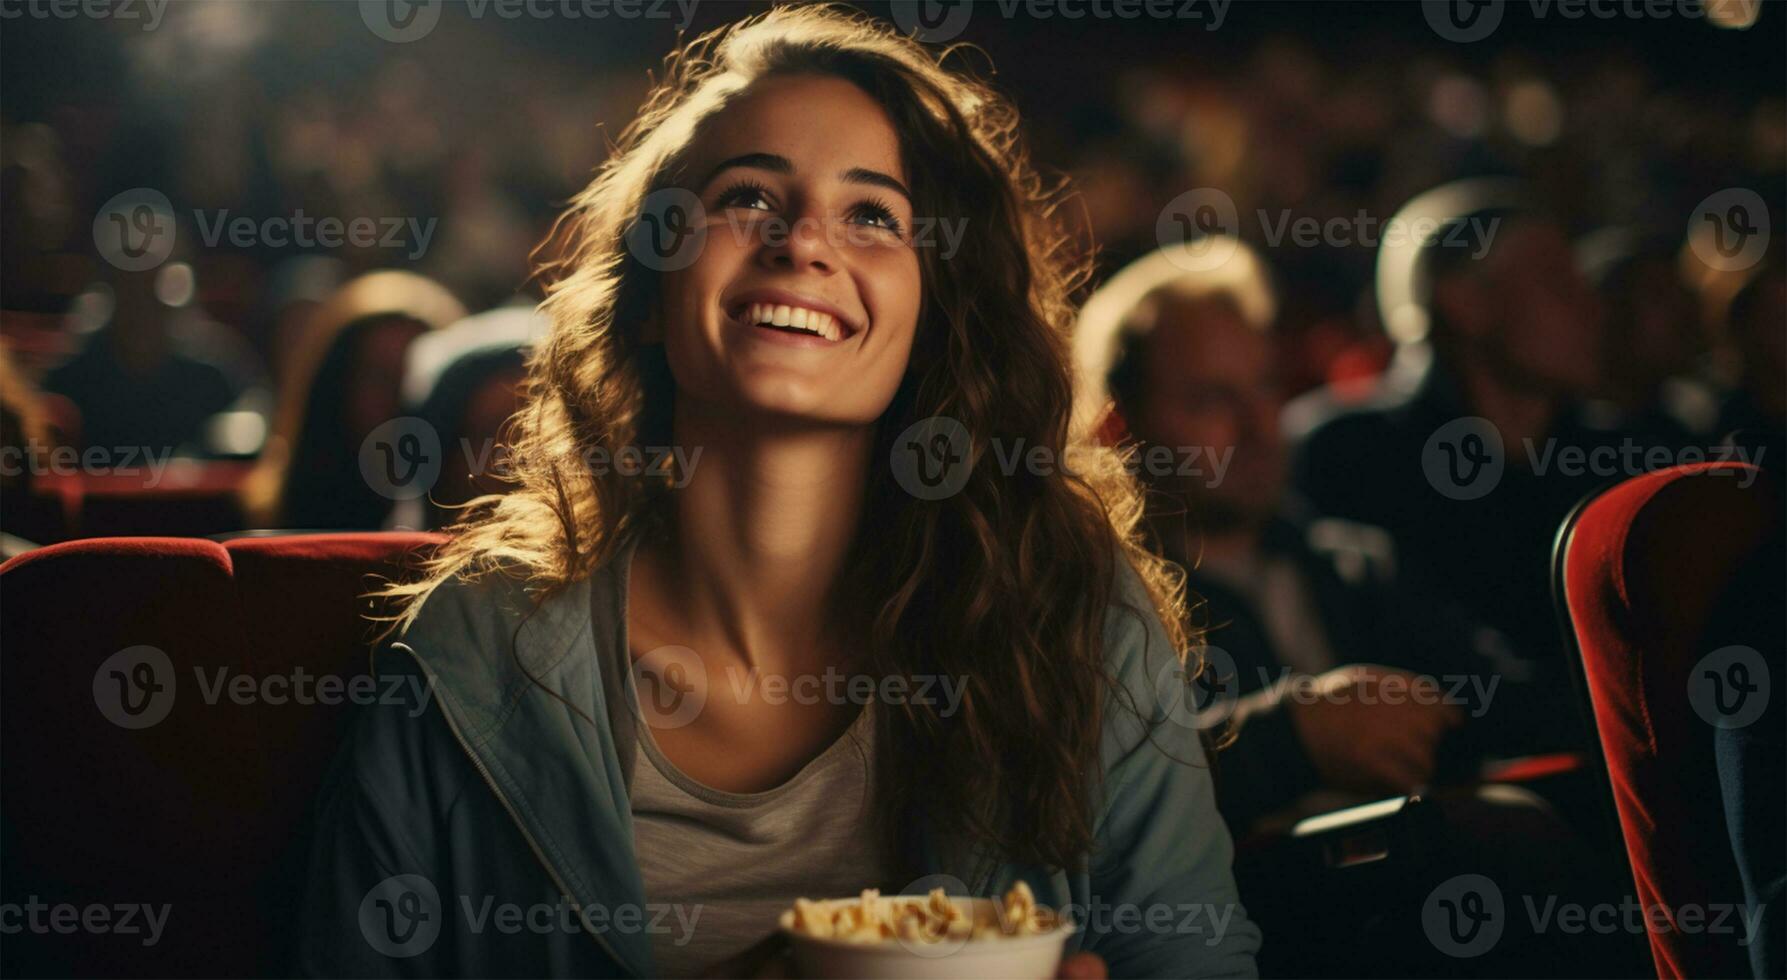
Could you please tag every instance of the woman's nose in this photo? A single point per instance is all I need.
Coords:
(804, 242)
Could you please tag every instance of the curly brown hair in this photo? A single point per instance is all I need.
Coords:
(1007, 584)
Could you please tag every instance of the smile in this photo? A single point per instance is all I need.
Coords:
(794, 319)
(780, 315)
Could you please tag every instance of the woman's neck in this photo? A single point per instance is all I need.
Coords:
(760, 534)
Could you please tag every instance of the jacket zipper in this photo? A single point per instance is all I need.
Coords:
(515, 817)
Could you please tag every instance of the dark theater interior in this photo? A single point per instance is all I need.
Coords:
(903, 488)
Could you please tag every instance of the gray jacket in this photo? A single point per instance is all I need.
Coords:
(481, 827)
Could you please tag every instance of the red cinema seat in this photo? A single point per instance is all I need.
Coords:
(158, 755)
(1640, 568)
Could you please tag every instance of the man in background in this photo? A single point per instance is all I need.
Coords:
(1323, 646)
(1347, 684)
(1462, 457)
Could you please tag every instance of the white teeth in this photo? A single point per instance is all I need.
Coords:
(800, 318)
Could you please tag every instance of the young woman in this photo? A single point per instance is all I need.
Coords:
(837, 640)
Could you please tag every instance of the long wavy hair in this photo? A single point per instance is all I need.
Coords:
(1006, 585)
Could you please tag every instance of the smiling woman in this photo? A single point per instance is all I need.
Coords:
(804, 349)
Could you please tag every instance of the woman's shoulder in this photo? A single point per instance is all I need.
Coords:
(1151, 698)
(494, 626)
(1134, 636)
(470, 610)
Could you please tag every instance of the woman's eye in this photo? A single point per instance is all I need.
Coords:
(752, 197)
(877, 216)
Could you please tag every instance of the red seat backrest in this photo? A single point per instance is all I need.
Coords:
(1643, 565)
(144, 763)
(303, 601)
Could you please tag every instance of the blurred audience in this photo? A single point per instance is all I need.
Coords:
(1290, 431)
(26, 424)
(296, 288)
(1349, 686)
(152, 372)
(1513, 346)
(1756, 327)
(465, 382)
(345, 380)
(1654, 338)
(1305, 614)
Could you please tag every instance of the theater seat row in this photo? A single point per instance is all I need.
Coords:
(166, 720)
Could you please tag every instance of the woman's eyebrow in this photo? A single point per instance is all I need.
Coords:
(753, 161)
(775, 163)
(863, 175)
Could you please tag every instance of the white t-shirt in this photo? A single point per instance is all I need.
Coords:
(728, 864)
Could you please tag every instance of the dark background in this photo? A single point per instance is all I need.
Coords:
(487, 124)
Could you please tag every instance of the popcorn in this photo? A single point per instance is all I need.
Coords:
(934, 918)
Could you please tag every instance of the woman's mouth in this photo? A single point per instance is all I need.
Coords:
(789, 318)
(794, 319)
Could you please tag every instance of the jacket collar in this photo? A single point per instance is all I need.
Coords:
(526, 690)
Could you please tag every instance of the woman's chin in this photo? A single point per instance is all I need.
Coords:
(787, 411)
(793, 397)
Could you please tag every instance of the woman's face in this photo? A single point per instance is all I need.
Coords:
(808, 226)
